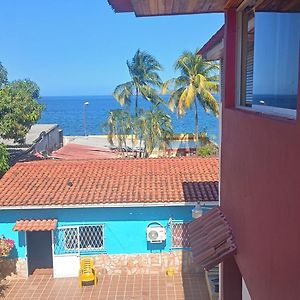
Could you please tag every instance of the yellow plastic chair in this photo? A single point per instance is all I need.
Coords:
(87, 271)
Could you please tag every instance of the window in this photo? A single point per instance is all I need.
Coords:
(180, 235)
(82, 239)
(91, 237)
(269, 62)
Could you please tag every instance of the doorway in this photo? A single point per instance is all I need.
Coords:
(39, 251)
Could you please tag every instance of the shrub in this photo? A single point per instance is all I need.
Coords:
(209, 149)
(4, 166)
(6, 246)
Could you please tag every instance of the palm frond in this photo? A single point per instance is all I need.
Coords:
(166, 86)
(123, 92)
(208, 102)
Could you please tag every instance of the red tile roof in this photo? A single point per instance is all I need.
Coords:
(35, 225)
(110, 181)
(74, 151)
(211, 239)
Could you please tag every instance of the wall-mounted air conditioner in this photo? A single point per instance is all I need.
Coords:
(156, 234)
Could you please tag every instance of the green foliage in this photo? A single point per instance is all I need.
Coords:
(4, 166)
(194, 86)
(119, 126)
(19, 109)
(3, 75)
(143, 70)
(155, 128)
(152, 127)
(208, 149)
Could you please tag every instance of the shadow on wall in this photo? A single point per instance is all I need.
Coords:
(156, 247)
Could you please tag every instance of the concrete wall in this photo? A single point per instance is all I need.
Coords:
(50, 141)
(125, 228)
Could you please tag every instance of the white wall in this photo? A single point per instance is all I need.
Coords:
(245, 292)
(49, 142)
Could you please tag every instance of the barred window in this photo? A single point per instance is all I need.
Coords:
(180, 235)
(83, 238)
(91, 237)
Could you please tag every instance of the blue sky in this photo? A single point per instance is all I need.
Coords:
(80, 47)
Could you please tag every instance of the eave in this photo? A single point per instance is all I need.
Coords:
(213, 49)
(178, 7)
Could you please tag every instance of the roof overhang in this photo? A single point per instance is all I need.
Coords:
(179, 7)
(35, 225)
(213, 49)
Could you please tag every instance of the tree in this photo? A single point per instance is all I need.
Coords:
(155, 128)
(19, 109)
(143, 70)
(197, 81)
(3, 75)
(4, 164)
(119, 126)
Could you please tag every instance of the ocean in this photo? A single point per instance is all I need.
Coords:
(68, 112)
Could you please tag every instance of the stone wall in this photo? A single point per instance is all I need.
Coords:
(13, 268)
(148, 263)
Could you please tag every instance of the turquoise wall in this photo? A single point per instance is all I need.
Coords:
(124, 228)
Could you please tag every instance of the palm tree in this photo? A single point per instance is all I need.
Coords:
(154, 127)
(197, 81)
(119, 126)
(143, 70)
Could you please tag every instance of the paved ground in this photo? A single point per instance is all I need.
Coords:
(134, 287)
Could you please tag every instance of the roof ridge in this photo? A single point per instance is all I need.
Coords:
(62, 161)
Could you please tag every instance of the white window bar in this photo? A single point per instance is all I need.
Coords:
(78, 239)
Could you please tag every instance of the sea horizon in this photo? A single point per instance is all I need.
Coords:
(68, 113)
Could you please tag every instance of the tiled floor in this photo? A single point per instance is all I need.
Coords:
(134, 287)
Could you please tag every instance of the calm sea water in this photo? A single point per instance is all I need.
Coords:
(68, 112)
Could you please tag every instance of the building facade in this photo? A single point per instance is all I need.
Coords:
(59, 211)
(260, 142)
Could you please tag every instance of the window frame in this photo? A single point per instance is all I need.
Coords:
(285, 113)
(79, 248)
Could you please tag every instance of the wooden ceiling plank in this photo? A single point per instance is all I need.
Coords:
(169, 7)
(153, 7)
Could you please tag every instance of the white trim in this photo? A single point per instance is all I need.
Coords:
(52, 247)
(130, 204)
(271, 111)
(26, 252)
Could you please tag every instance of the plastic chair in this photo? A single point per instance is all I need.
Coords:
(87, 271)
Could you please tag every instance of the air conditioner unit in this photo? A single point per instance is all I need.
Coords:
(156, 234)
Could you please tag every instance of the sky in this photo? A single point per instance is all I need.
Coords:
(80, 47)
